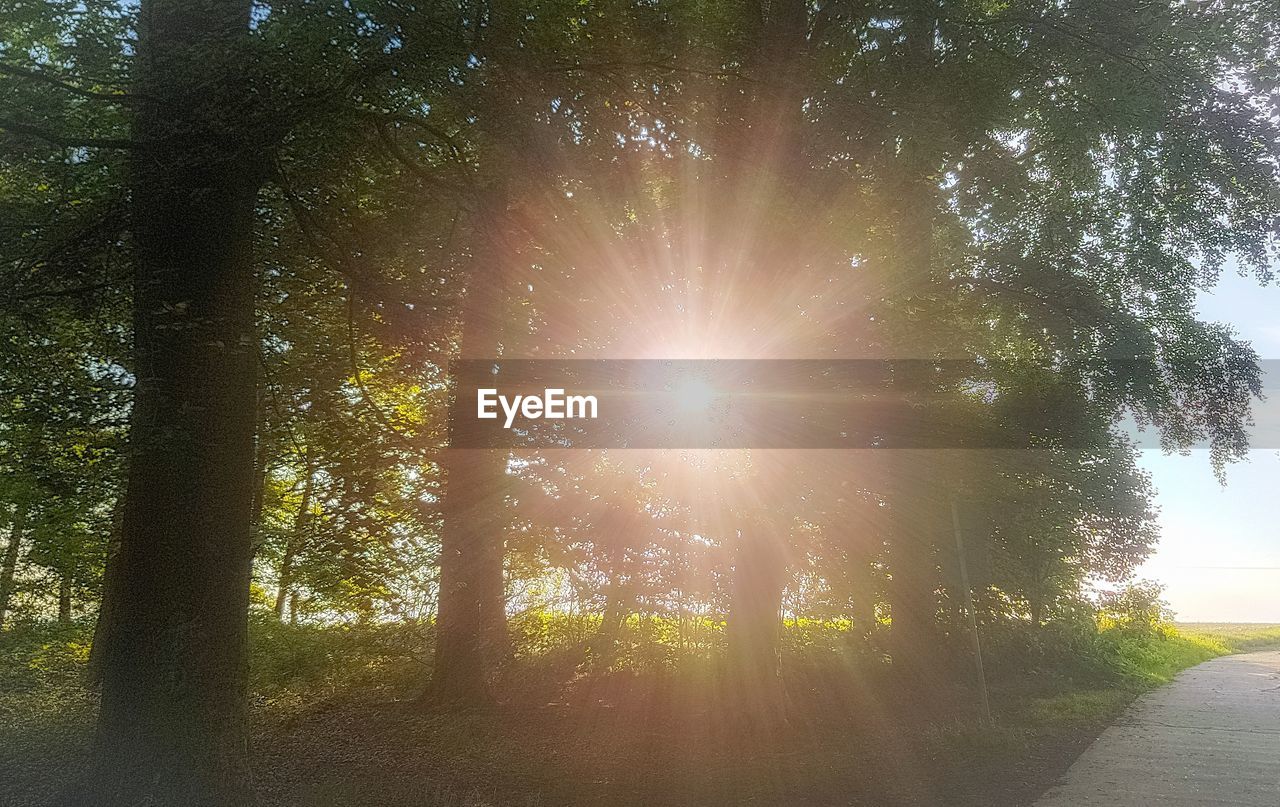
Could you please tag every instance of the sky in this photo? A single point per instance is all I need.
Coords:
(1219, 551)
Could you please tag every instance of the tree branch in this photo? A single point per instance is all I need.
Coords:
(51, 293)
(117, 96)
(64, 141)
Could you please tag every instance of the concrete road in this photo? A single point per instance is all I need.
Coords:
(1211, 737)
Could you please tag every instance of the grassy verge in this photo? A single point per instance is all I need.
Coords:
(1049, 712)
(1123, 663)
(336, 726)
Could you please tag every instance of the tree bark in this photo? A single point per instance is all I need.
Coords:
(102, 627)
(1037, 589)
(261, 461)
(765, 141)
(17, 527)
(64, 598)
(297, 539)
(753, 630)
(171, 727)
(471, 639)
(1037, 611)
(863, 604)
(471, 629)
(913, 595)
(620, 600)
(913, 569)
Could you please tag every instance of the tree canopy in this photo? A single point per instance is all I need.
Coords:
(241, 244)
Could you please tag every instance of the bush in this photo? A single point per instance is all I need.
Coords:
(1137, 607)
(1127, 640)
(43, 656)
(302, 662)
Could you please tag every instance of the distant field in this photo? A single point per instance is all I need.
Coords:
(1236, 637)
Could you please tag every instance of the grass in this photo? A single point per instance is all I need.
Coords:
(336, 725)
(1234, 637)
(1122, 662)
(1151, 660)
(1080, 709)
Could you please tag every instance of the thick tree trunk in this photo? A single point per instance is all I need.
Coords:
(1038, 590)
(913, 591)
(297, 539)
(754, 629)
(765, 143)
(17, 528)
(471, 626)
(471, 629)
(620, 599)
(471, 639)
(172, 722)
(913, 567)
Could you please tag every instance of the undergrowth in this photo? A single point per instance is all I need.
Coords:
(1066, 679)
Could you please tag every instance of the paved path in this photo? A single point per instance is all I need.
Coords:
(1212, 737)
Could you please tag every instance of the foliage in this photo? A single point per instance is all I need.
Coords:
(44, 707)
(385, 129)
(1136, 608)
(1038, 189)
(303, 673)
(294, 665)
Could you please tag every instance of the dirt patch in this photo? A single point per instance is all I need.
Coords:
(642, 743)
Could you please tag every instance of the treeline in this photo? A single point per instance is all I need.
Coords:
(243, 241)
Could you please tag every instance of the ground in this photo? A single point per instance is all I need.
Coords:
(641, 745)
(618, 738)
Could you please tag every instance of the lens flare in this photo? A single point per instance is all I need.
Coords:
(693, 396)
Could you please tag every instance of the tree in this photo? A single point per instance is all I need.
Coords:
(17, 527)
(344, 198)
(172, 725)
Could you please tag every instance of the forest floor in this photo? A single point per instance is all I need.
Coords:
(621, 738)
(645, 747)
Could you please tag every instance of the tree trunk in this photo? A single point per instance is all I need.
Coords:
(913, 597)
(754, 629)
(103, 626)
(471, 639)
(171, 727)
(297, 539)
(913, 587)
(17, 527)
(1037, 611)
(765, 143)
(863, 606)
(619, 601)
(471, 628)
(260, 468)
(471, 625)
(64, 598)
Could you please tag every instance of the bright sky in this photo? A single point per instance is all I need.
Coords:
(1219, 554)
